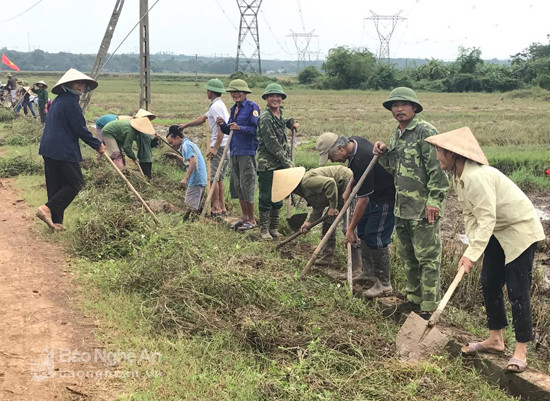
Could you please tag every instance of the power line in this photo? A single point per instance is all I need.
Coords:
(18, 15)
(126, 37)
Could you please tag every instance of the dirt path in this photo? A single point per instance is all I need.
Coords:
(43, 336)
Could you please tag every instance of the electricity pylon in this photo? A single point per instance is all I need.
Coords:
(249, 26)
(385, 25)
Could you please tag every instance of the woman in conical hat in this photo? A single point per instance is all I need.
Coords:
(59, 147)
(503, 226)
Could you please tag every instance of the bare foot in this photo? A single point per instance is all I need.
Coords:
(44, 214)
(59, 227)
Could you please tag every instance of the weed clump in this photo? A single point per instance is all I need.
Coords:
(23, 132)
(6, 114)
(19, 165)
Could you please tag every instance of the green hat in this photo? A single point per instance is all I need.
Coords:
(402, 94)
(274, 89)
(215, 85)
(238, 85)
(323, 145)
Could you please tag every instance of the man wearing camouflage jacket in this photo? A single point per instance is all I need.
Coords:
(273, 153)
(421, 188)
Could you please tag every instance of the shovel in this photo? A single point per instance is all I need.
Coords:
(419, 338)
(296, 220)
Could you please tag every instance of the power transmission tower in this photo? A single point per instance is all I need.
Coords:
(144, 58)
(249, 25)
(102, 52)
(301, 39)
(385, 25)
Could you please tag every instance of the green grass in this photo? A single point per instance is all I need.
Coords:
(226, 312)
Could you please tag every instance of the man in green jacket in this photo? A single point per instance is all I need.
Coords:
(119, 137)
(40, 89)
(322, 188)
(273, 154)
(421, 187)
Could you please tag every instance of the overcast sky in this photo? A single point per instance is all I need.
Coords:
(432, 28)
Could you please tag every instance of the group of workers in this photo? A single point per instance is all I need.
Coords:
(405, 191)
(21, 97)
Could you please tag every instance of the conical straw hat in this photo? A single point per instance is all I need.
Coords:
(43, 83)
(460, 141)
(145, 113)
(71, 76)
(143, 125)
(124, 117)
(285, 181)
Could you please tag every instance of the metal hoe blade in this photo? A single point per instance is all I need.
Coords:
(296, 221)
(416, 340)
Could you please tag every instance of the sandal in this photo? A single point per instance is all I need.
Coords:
(478, 348)
(216, 214)
(516, 365)
(246, 226)
(237, 225)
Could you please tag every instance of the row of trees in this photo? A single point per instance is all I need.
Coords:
(358, 69)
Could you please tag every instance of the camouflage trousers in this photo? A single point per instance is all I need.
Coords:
(419, 248)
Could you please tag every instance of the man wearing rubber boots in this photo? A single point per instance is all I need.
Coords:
(274, 153)
(373, 215)
(421, 188)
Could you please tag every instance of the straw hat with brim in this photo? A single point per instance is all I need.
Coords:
(71, 76)
(460, 141)
(145, 113)
(285, 181)
(323, 145)
(41, 83)
(124, 117)
(143, 125)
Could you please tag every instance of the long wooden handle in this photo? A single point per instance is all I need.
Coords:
(350, 255)
(339, 217)
(299, 232)
(443, 303)
(145, 205)
(292, 154)
(218, 172)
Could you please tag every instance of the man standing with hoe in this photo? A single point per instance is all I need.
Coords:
(421, 187)
(218, 141)
(374, 207)
(274, 153)
(243, 121)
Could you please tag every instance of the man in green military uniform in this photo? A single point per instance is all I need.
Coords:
(273, 153)
(322, 188)
(421, 187)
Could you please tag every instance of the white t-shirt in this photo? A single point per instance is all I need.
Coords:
(217, 109)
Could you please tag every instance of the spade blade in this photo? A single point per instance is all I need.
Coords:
(417, 341)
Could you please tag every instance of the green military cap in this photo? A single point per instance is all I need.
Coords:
(274, 89)
(323, 145)
(215, 85)
(403, 94)
(238, 85)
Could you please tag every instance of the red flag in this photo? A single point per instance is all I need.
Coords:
(9, 63)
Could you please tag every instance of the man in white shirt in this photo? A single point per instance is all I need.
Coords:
(218, 141)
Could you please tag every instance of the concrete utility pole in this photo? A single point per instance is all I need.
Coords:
(144, 58)
(102, 52)
(249, 24)
(385, 25)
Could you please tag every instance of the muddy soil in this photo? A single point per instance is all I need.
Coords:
(44, 338)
